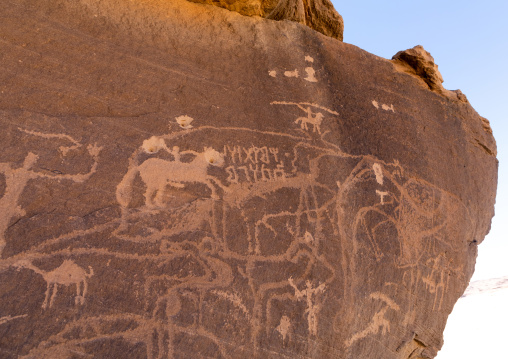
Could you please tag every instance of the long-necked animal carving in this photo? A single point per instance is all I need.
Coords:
(68, 273)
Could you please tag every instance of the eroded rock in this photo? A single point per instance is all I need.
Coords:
(319, 15)
(179, 181)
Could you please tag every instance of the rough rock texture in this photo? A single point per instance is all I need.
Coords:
(181, 181)
(420, 63)
(319, 15)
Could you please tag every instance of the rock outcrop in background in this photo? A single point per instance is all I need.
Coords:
(179, 180)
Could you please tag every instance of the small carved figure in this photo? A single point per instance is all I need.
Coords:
(67, 274)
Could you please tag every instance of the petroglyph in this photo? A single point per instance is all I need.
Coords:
(68, 273)
(309, 71)
(311, 75)
(157, 174)
(17, 178)
(233, 298)
(379, 322)
(293, 73)
(184, 121)
(64, 149)
(308, 294)
(388, 108)
(382, 195)
(8, 318)
(378, 171)
(155, 143)
(212, 253)
(436, 282)
(383, 106)
(283, 327)
(314, 119)
(254, 164)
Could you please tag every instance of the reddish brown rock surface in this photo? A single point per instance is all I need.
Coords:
(181, 181)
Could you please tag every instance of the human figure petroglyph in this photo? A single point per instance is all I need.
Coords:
(17, 179)
(283, 327)
(309, 295)
(68, 273)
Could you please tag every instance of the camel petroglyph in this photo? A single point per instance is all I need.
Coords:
(68, 273)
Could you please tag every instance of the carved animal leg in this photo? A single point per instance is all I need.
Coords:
(149, 194)
(53, 296)
(210, 185)
(85, 290)
(77, 299)
(46, 300)
(80, 293)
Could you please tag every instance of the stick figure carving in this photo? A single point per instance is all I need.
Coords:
(68, 273)
(17, 178)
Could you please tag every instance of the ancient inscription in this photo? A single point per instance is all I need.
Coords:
(229, 237)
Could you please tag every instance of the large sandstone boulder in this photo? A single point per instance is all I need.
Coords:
(178, 180)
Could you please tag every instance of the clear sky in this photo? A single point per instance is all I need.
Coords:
(468, 40)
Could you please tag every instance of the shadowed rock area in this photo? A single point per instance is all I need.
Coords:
(178, 180)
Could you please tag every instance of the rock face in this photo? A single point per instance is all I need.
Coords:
(181, 181)
(317, 14)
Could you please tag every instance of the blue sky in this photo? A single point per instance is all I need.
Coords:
(468, 40)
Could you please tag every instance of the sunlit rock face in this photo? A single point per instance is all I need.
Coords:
(319, 15)
(181, 181)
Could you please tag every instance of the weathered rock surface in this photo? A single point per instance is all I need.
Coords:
(181, 181)
(319, 15)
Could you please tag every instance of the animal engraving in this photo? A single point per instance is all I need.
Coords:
(379, 321)
(158, 173)
(311, 118)
(68, 273)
